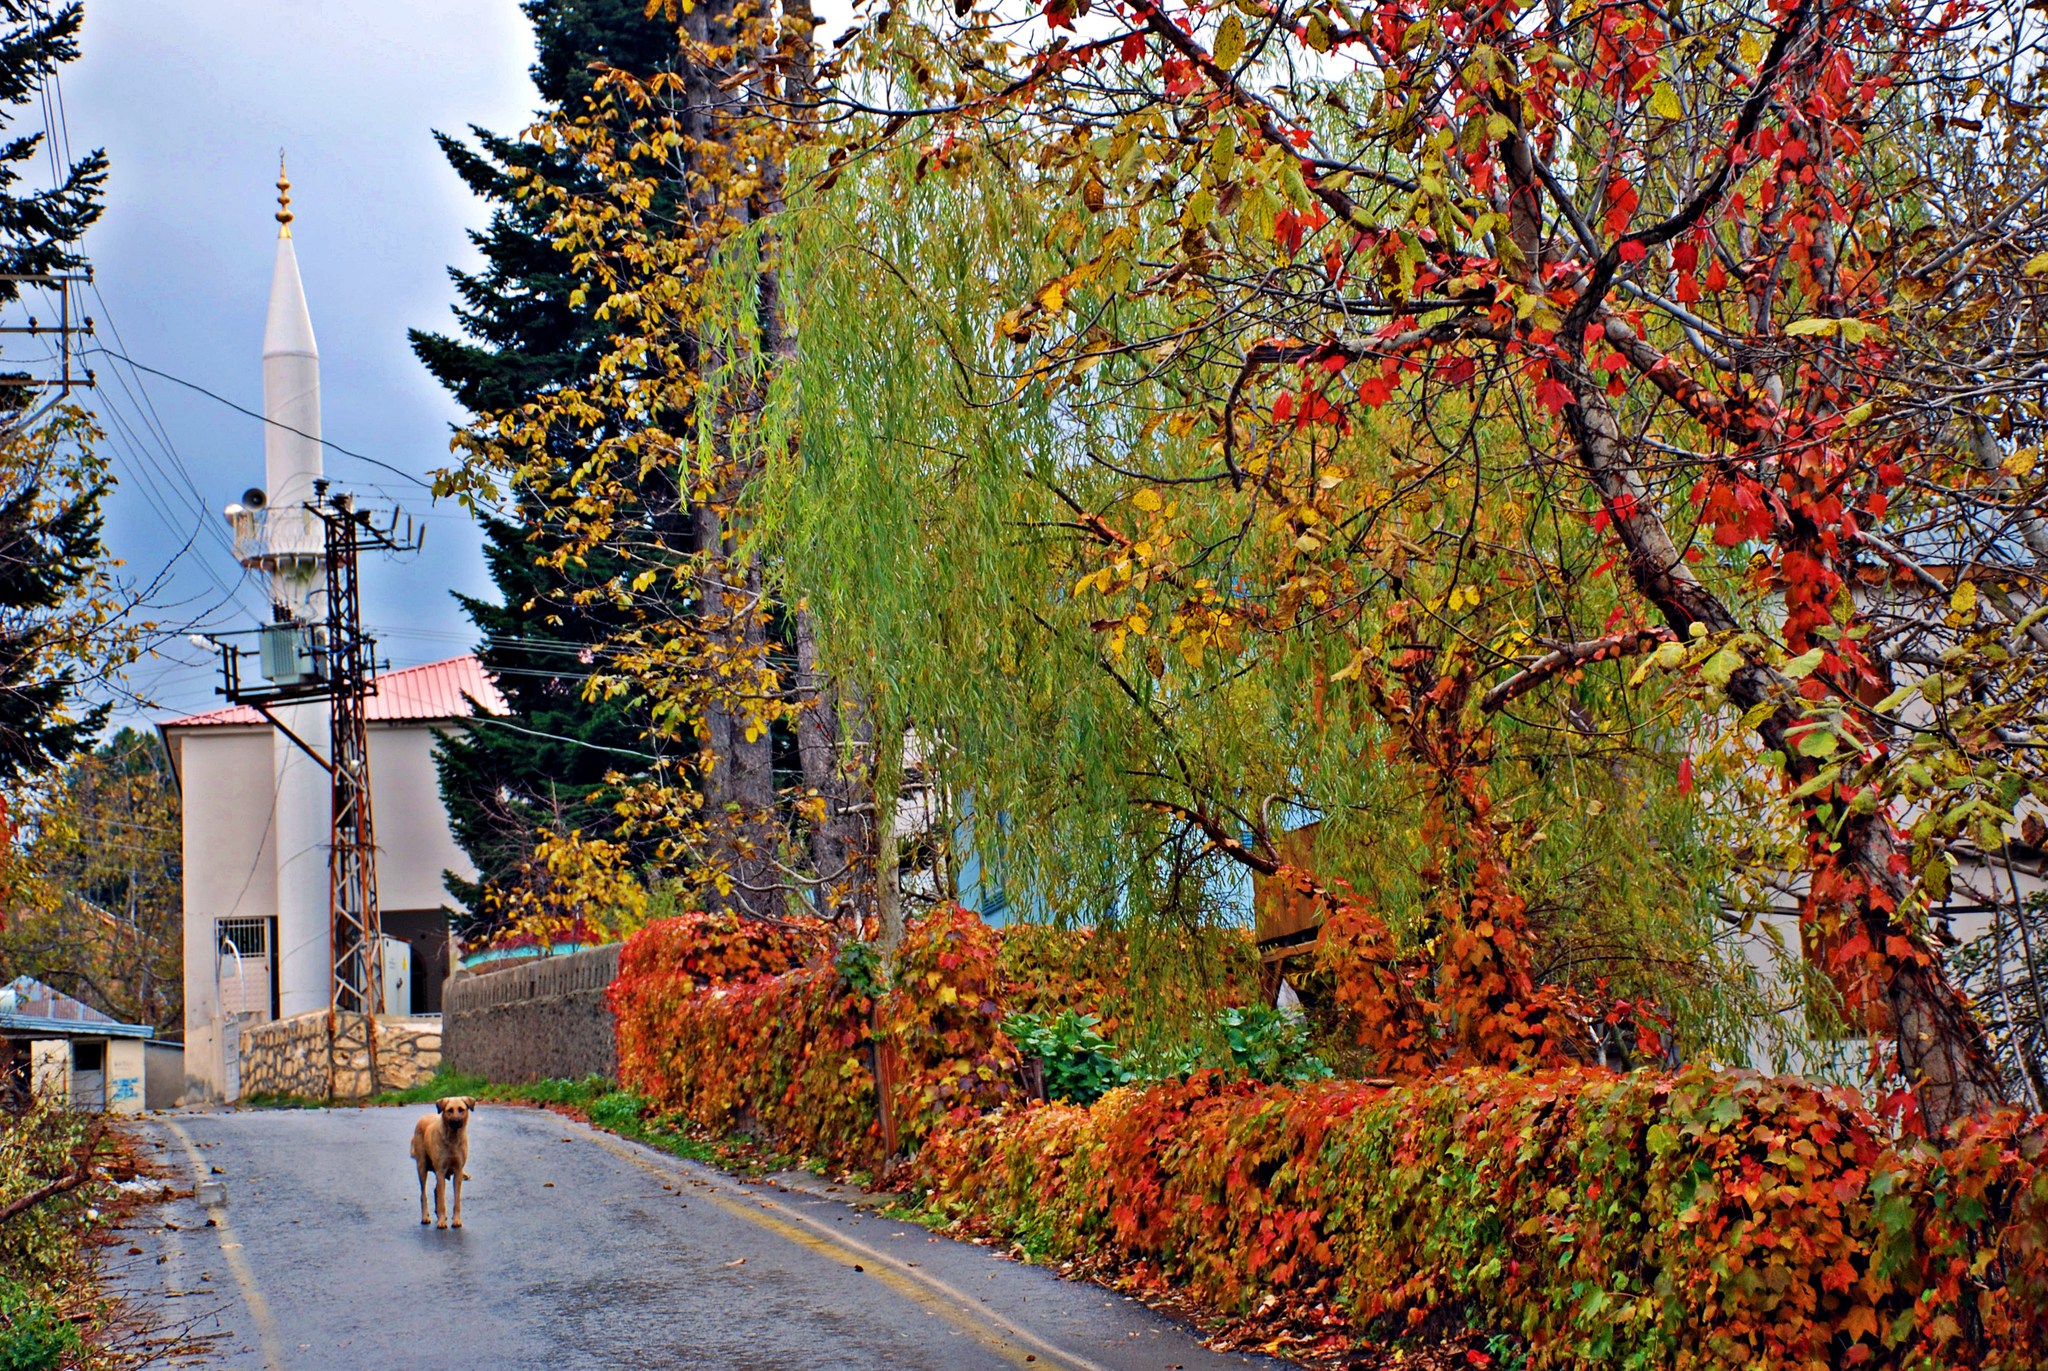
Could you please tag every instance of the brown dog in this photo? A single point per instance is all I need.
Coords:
(440, 1144)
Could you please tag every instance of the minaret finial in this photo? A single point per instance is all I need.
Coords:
(284, 198)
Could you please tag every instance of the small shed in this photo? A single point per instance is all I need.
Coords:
(64, 1050)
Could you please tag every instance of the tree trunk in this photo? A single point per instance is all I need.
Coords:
(1941, 1044)
(834, 743)
(735, 772)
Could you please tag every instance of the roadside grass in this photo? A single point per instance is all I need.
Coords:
(596, 1099)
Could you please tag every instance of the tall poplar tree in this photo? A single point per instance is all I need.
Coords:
(525, 333)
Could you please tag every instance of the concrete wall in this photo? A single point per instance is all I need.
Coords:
(295, 1056)
(125, 1075)
(538, 1020)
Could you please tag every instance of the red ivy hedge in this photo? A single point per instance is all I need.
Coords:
(718, 1023)
(1702, 1219)
(664, 966)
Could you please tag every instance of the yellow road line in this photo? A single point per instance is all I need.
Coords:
(259, 1308)
(1019, 1347)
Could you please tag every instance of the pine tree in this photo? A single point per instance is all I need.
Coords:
(544, 765)
(49, 544)
(39, 230)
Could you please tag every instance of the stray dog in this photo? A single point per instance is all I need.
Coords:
(440, 1144)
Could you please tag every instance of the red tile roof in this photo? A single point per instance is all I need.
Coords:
(438, 690)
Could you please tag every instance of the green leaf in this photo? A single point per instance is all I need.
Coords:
(1722, 665)
(1800, 667)
(1819, 741)
(1827, 777)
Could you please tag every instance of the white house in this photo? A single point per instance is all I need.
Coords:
(243, 963)
(258, 810)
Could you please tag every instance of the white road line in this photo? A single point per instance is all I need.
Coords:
(231, 1253)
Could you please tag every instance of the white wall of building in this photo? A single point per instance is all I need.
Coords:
(230, 852)
(232, 785)
(414, 845)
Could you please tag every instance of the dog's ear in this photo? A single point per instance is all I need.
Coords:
(469, 1103)
(440, 1106)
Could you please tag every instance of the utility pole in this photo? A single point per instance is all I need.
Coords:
(358, 937)
(71, 324)
(335, 662)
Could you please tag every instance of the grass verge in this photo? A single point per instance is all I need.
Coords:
(595, 1099)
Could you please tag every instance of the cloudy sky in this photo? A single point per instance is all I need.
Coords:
(192, 101)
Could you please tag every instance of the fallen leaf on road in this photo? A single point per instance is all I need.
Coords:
(741, 1262)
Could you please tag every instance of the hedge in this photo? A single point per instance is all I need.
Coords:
(718, 1025)
(1696, 1220)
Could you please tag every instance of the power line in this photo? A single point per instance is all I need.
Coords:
(239, 409)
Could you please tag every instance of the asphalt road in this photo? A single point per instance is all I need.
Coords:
(579, 1250)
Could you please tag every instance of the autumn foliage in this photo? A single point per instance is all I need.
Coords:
(747, 1027)
(1702, 1219)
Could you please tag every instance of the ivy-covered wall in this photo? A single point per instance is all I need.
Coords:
(1706, 1219)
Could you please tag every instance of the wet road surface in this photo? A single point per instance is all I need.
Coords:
(580, 1250)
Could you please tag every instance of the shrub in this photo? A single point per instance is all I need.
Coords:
(790, 1058)
(664, 966)
(1702, 1219)
(1081, 1066)
(33, 1337)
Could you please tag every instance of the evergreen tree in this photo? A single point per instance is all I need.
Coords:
(39, 229)
(543, 766)
(49, 543)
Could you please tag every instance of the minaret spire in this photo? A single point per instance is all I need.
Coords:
(284, 198)
(279, 535)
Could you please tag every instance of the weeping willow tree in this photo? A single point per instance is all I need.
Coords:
(1134, 640)
(1144, 675)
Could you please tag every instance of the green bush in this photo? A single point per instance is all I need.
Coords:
(33, 1337)
(1081, 1066)
(1246, 1042)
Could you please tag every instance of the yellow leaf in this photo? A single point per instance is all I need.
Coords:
(2036, 266)
(1147, 500)
(1052, 297)
(643, 581)
(1962, 604)
(948, 995)
(1229, 41)
(1223, 151)
(1664, 102)
(1858, 416)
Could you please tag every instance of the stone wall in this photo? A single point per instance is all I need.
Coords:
(537, 1020)
(295, 1056)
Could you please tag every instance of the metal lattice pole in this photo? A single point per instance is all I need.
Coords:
(345, 676)
(358, 942)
